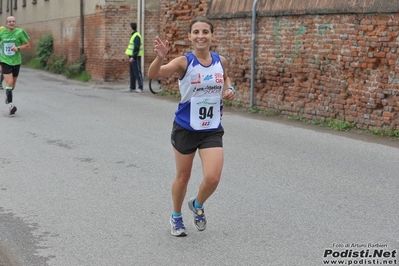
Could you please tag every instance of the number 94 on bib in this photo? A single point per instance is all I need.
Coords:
(205, 112)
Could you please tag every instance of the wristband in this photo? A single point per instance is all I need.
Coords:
(233, 89)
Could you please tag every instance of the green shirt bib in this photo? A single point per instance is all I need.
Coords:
(9, 39)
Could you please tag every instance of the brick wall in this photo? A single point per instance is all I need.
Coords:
(152, 30)
(341, 66)
(106, 36)
(109, 30)
(175, 20)
(65, 34)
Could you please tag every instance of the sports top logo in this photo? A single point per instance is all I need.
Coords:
(208, 78)
(196, 78)
(219, 78)
(205, 124)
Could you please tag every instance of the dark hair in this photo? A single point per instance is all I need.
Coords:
(201, 19)
(133, 25)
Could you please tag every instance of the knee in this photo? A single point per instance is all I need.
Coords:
(182, 180)
(212, 181)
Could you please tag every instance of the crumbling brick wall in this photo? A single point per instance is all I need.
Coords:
(340, 66)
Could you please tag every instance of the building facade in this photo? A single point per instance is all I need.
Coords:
(99, 29)
(312, 59)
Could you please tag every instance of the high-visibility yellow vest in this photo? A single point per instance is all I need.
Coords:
(130, 48)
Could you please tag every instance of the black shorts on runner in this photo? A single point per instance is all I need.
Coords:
(7, 69)
(186, 141)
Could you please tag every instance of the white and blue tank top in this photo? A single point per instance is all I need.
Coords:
(201, 89)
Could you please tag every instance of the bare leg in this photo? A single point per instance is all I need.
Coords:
(184, 163)
(212, 164)
(10, 80)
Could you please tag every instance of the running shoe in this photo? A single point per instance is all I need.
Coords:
(13, 109)
(199, 216)
(177, 226)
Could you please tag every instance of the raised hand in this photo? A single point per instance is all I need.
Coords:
(161, 49)
(228, 95)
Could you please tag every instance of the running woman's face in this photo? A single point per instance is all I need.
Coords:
(201, 36)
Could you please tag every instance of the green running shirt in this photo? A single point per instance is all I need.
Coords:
(9, 39)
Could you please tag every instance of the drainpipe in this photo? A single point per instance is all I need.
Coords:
(82, 29)
(142, 32)
(253, 52)
(138, 20)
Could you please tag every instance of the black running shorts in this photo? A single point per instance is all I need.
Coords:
(186, 141)
(7, 69)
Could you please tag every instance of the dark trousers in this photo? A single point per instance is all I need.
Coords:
(135, 74)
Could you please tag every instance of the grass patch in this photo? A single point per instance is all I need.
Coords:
(82, 76)
(56, 63)
(270, 113)
(162, 93)
(34, 63)
(385, 132)
(339, 125)
(296, 118)
(59, 67)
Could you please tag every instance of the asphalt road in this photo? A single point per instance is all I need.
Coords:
(86, 170)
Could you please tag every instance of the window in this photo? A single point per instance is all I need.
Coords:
(1, 6)
(15, 4)
(23, 3)
(34, 2)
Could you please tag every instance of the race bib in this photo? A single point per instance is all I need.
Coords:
(205, 112)
(7, 48)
